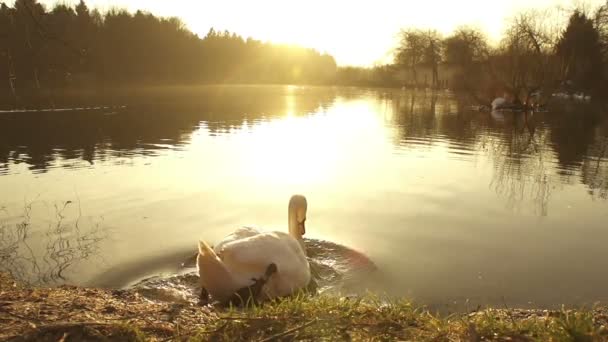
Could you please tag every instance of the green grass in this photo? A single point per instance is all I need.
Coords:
(373, 318)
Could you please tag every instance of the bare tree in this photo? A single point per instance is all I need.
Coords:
(465, 47)
(524, 62)
(411, 51)
(418, 48)
(465, 54)
(432, 54)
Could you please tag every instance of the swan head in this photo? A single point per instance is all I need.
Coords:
(297, 215)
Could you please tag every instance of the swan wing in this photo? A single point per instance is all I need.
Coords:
(239, 234)
(249, 257)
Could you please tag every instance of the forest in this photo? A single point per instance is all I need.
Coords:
(42, 49)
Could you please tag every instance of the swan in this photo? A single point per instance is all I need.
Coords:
(274, 262)
(499, 103)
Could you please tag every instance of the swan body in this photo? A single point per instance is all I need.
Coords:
(244, 256)
(499, 103)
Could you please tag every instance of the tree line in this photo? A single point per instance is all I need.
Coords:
(47, 49)
(534, 55)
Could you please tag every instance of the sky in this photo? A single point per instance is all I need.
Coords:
(355, 32)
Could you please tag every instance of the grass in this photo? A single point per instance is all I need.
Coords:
(70, 313)
(90, 331)
(372, 318)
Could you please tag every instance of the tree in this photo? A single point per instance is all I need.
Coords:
(466, 54)
(43, 51)
(411, 51)
(579, 49)
(420, 48)
(432, 54)
(601, 24)
(7, 48)
(524, 63)
(82, 10)
(465, 47)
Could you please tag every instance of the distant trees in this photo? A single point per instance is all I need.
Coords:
(233, 59)
(377, 76)
(428, 50)
(419, 48)
(601, 24)
(7, 67)
(465, 52)
(433, 54)
(410, 51)
(44, 49)
(534, 56)
(465, 47)
(580, 51)
(524, 62)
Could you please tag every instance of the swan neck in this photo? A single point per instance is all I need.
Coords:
(294, 230)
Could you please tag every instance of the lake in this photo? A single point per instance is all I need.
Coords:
(455, 207)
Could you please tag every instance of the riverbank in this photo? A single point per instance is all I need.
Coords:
(70, 313)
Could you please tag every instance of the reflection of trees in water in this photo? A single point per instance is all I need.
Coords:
(520, 155)
(155, 119)
(532, 154)
(595, 168)
(416, 117)
(37, 261)
(423, 118)
(580, 138)
(572, 133)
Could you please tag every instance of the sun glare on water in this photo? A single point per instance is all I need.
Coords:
(294, 150)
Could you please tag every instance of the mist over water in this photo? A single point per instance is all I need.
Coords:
(451, 205)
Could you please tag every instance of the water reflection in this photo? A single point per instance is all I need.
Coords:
(522, 145)
(521, 161)
(525, 148)
(413, 177)
(153, 120)
(595, 168)
(47, 260)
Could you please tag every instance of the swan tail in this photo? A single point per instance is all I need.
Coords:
(214, 276)
(204, 249)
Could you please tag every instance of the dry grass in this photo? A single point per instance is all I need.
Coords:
(72, 313)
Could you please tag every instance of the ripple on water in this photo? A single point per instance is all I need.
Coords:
(336, 269)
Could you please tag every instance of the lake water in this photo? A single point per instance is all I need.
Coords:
(452, 205)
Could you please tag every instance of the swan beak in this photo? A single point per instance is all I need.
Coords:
(302, 228)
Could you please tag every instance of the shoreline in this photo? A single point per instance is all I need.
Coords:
(72, 313)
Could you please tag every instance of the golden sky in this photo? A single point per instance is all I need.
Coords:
(355, 32)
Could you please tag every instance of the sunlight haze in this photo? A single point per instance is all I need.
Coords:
(354, 32)
(230, 170)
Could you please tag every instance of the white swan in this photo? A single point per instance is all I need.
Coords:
(244, 256)
(500, 103)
